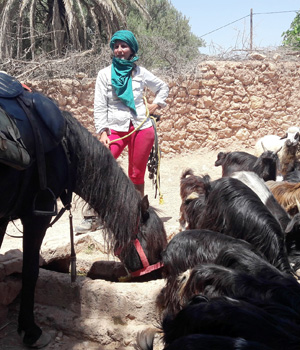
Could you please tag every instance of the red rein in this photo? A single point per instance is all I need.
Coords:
(147, 268)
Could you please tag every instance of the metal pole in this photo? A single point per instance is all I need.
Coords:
(251, 29)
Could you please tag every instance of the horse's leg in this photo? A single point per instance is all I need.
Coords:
(3, 225)
(34, 229)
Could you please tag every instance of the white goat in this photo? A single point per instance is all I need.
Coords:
(288, 148)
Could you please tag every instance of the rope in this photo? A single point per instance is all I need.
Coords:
(137, 128)
(154, 163)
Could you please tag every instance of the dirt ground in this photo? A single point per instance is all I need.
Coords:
(201, 162)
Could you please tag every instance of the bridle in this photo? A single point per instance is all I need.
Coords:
(147, 268)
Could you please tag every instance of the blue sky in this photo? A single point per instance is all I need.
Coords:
(208, 15)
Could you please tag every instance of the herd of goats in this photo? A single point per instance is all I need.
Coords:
(231, 273)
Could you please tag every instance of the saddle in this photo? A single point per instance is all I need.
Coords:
(40, 124)
(12, 149)
(18, 102)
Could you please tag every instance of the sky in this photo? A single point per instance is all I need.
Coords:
(207, 16)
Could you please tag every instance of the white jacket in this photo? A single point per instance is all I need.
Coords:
(111, 113)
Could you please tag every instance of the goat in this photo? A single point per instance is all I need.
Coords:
(231, 207)
(264, 166)
(206, 341)
(287, 194)
(292, 176)
(274, 142)
(189, 184)
(258, 288)
(287, 146)
(288, 160)
(290, 224)
(264, 286)
(201, 342)
(229, 317)
(214, 280)
(247, 261)
(193, 247)
(184, 251)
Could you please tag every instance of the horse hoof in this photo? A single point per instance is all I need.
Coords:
(43, 340)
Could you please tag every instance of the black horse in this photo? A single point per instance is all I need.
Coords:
(79, 164)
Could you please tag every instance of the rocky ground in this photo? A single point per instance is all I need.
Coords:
(202, 162)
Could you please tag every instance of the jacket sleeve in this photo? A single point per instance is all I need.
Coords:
(158, 87)
(101, 102)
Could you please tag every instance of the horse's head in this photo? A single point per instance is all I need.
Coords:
(143, 253)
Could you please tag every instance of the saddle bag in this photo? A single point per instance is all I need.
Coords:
(12, 149)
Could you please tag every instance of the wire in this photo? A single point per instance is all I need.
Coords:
(271, 13)
(257, 13)
(226, 25)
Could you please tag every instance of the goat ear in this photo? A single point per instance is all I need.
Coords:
(293, 224)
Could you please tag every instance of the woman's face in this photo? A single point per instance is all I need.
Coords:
(122, 50)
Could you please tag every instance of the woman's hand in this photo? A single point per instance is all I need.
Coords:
(152, 107)
(104, 139)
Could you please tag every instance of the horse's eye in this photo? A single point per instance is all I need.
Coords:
(145, 216)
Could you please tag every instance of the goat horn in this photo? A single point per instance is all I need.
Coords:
(193, 195)
(278, 150)
(263, 146)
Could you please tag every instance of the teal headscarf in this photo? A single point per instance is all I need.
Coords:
(121, 69)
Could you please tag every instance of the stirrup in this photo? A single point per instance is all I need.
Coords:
(45, 195)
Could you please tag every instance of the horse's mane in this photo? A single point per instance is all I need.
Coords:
(102, 183)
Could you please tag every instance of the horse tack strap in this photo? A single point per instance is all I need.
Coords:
(39, 148)
(141, 253)
(147, 268)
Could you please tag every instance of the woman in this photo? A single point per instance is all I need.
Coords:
(119, 106)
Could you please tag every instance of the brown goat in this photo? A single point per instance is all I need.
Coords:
(190, 187)
(287, 195)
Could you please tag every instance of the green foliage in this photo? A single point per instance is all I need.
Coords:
(291, 37)
(166, 40)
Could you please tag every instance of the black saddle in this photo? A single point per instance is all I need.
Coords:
(41, 125)
(46, 114)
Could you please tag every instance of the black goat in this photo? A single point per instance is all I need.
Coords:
(191, 247)
(265, 166)
(231, 207)
(200, 342)
(209, 342)
(184, 251)
(290, 224)
(194, 247)
(274, 297)
(232, 318)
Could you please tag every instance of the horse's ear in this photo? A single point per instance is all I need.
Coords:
(145, 207)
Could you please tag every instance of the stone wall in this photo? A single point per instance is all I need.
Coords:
(221, 105)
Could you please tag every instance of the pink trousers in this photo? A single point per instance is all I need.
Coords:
(139, 147)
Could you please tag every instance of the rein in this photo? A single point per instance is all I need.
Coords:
(147, 268)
